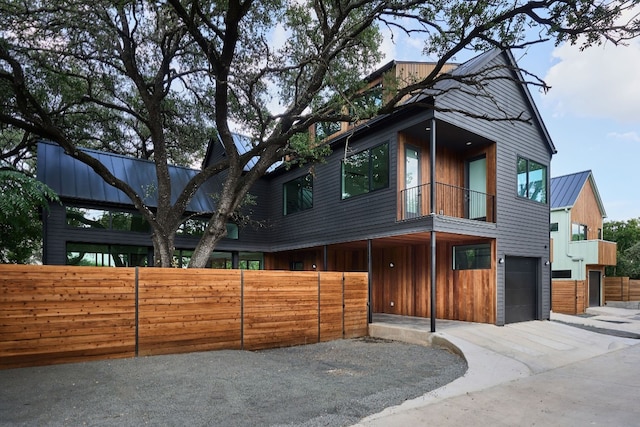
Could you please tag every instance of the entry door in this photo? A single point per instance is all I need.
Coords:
(521, 289)
(594, 288)
(412, 182)
(476, 200)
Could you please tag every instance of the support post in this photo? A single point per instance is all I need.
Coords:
(432, 158)
(433, 281)
(432, 161)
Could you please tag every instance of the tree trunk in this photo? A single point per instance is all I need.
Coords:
(216, 230)
(163, 249)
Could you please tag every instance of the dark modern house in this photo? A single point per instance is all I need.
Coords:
(422, 199)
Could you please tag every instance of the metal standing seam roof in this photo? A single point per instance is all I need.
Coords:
(72, 179)
(566, 189)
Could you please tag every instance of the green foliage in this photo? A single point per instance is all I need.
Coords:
(21, 200)
(626, 234)
(153, 79)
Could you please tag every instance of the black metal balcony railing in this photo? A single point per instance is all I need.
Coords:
(452, 201)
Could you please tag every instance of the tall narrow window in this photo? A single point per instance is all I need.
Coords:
(365, 171)
(298, 194)
(532, 180)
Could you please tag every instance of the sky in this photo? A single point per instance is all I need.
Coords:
(592, 113)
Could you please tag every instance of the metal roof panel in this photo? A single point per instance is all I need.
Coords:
(72, 179)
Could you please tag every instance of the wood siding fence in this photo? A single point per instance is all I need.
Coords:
(621, 289)
(569, 296)
(61, 314)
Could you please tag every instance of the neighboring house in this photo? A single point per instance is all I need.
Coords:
(579, 253)
(419, 198)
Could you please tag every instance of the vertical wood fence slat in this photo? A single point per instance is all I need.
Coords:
(60, 314)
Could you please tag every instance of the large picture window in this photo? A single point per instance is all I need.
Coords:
(365, 171)
(532, 180)
(106, 220)
(472, 257)
(99, 255)
(298, 194)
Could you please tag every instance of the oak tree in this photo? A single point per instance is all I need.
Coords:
(158, 80)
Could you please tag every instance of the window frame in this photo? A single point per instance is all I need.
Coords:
(301, 207)
(527, 184)
(324, 127)
(583, 231)
(486, 258)
(370, 176)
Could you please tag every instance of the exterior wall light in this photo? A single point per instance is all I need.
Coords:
(500, 260)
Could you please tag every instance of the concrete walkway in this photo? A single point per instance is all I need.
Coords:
(532, 373)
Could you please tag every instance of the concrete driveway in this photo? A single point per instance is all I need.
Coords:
(551, 373)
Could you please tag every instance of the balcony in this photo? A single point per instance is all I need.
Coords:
(451, 201)
(596, 252)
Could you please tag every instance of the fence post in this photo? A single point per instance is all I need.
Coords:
(137, 309)
(241, 309)
(343, 306)
(318, 306)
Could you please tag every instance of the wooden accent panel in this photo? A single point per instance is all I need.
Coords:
(356, 295)
(607, 252)
(185, 310)
(468, 295)
(569, 296)
(60, 314)
(586, 211)
(408, 73)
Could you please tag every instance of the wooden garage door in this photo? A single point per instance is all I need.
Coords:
(521, 289)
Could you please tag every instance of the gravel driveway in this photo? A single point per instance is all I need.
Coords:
(329, 384)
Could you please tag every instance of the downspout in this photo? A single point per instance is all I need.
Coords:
(370, 282)
(325, 257)
(432, 157)
(573, 257)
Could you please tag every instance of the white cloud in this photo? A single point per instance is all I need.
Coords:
(599, 82)
(631, 136)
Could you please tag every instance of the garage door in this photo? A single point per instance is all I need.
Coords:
(521, 285)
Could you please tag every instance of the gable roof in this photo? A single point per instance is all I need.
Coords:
(243, 144)
(479, 63)
(74, 180)
(565, 190)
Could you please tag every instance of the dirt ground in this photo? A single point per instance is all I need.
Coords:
(329, 384)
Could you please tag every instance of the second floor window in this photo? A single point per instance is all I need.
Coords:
(325, 129)
(578, 232)
(532, 180)
(298, 194)
(365, 171)
(106, 219)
